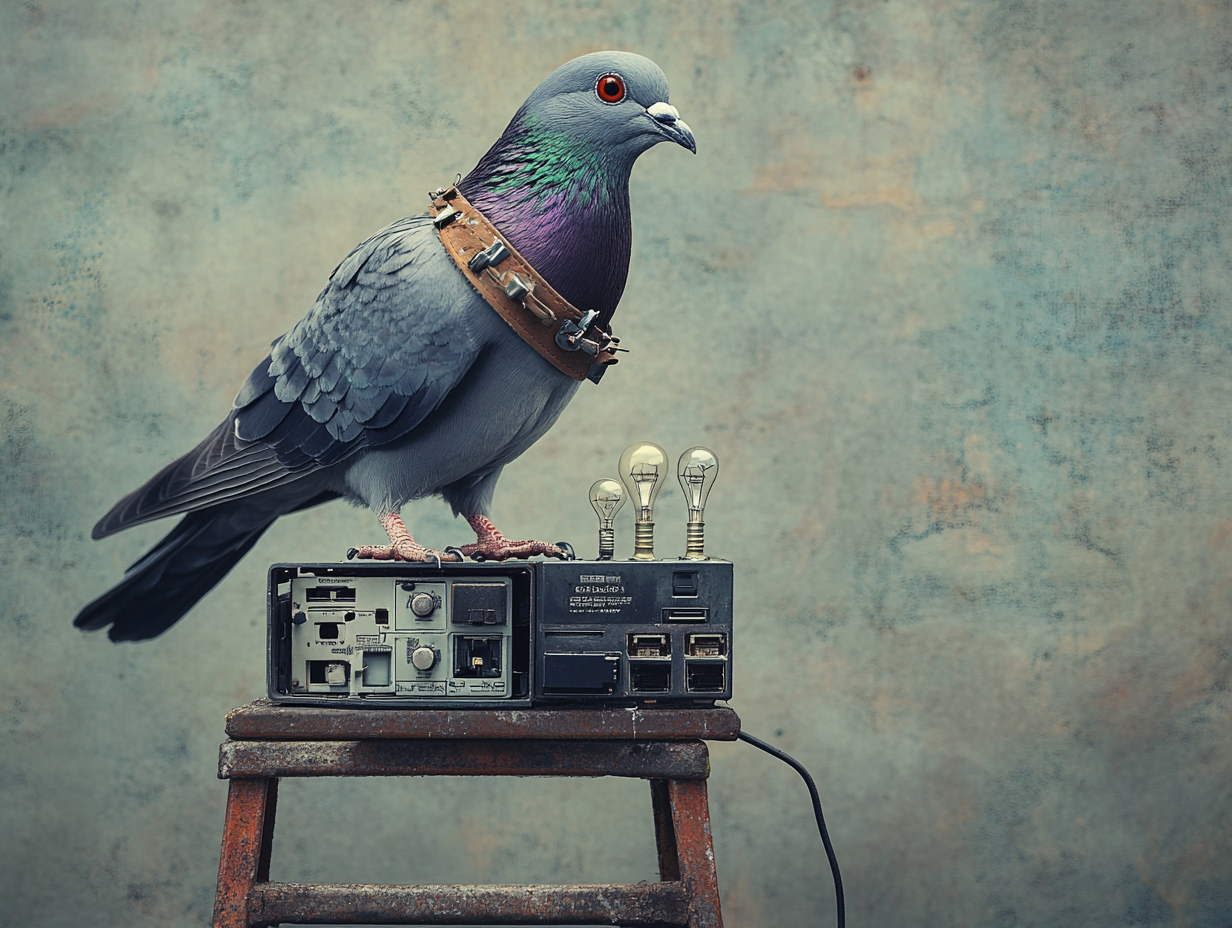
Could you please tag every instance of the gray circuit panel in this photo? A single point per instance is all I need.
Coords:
(381, 636)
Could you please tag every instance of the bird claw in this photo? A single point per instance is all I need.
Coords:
(404, 551)
(499, 549)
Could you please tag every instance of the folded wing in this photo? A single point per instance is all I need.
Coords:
(382, 346)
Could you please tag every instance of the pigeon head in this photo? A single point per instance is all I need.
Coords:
(609, 106)
(556, 183)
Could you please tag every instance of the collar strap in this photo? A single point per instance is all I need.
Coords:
(565, 336)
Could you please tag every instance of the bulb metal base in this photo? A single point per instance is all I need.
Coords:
(695, 541)
(643, 541)
(607, 543)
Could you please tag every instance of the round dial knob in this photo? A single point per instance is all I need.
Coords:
(423, 604)
(424, 657)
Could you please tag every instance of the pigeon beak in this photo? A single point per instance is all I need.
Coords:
(671, 125)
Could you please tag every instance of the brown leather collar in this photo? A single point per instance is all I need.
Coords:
(551, 325)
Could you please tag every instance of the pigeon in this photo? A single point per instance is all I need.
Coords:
(401, 382)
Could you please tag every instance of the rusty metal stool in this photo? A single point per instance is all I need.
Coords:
(665, 746)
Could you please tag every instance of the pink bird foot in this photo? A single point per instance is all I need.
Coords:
(402, 547)
(491, 545)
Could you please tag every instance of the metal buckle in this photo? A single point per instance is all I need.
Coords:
(516, 287)
(570, 335)
(445, 217)
(492, 255)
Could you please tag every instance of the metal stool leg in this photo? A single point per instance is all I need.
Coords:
(248, 838)
(690, 815)
(665, 831)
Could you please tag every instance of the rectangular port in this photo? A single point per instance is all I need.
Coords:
(377, 668)
(685, 615)
(382, 617)
(650, 676)
(329, 631)
(588, 673)
(325, 594)
(705, 676)
(570, 632)
(329, 674)
(649, 645)
(705, 645)
(476, 657)
(684, 583)
(480, 604)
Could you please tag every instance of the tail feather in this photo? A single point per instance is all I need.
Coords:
(173, 575)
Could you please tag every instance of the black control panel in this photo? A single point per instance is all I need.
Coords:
(634, 631)
(518, 633)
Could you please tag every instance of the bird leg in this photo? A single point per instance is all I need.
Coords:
(491, 545)
(402, 548)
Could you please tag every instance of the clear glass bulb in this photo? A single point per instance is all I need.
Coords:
(696, 470)
(607, 497)
(643, 466)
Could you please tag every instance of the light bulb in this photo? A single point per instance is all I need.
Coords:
(696, 471)
(642, 468)
(607, 497)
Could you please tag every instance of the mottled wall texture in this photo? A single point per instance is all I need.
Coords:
(947, 287)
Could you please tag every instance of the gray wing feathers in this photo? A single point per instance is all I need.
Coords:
(383, 344)
(216, 470)
(360, 346)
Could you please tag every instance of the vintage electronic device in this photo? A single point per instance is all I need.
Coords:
(517, 633)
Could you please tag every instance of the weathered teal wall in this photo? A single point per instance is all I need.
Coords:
(948, 289)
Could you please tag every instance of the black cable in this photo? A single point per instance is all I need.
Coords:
(821, 821)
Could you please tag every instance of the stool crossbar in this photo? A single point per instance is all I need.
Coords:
(269, 742)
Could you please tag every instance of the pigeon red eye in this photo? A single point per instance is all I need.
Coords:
(611, 88)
